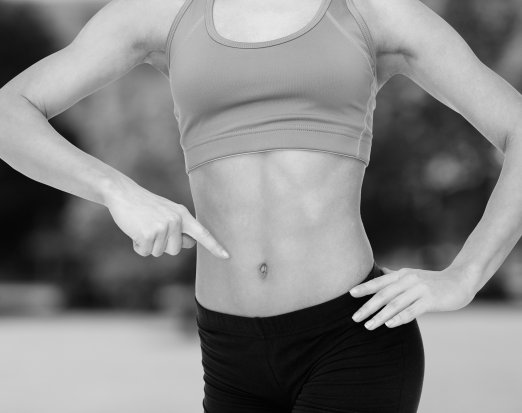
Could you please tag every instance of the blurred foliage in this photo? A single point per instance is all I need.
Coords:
(430, 175)
(30, 211)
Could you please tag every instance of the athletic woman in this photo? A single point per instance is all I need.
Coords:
(274, 101)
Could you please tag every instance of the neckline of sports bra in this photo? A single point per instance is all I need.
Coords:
(211, 29)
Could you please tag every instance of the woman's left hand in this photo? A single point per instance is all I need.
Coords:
(408, 292)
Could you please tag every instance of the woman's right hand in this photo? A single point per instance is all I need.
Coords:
(156, 224)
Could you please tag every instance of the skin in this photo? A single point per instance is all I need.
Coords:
(289, 220)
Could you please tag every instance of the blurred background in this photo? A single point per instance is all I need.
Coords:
(88, 325)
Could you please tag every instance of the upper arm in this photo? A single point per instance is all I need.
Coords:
(121, 35)
(421, 45)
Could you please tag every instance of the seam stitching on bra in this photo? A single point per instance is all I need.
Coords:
(365, 119)
(363, 26)
(173, 27)
(188, 34)
(252, 132)
(188, 170)
(359, 49)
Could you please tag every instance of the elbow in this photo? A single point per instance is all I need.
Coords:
(40, 108)
(510, 136)
(506, 142)
(8, 96)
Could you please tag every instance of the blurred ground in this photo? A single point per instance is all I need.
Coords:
(111, 363)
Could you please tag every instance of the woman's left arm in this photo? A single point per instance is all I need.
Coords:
(416, 42)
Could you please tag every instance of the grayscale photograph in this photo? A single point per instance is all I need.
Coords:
(261, 206)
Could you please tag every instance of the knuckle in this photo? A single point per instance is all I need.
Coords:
(411, 276)
(409, 313)
(377, 319)
(399, 318)
(380, 295)
(393, 305)
(182, 208)
(147, 235)
(367, 285)
(161, 227)
(175, 220)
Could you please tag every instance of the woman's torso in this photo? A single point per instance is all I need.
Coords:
(290, 219)
(297, 213)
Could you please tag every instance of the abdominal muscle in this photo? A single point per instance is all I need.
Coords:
(290, 220)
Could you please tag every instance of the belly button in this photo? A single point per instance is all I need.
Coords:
(263, 270)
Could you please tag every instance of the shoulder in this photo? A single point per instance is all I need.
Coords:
(400, 29)
(393, 22)
(142, 24)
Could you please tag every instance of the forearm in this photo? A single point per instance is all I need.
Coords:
(500, 227)
(30, 145)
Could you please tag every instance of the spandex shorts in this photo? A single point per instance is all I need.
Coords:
(315, 359)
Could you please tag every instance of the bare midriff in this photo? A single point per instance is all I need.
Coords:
(290, 220)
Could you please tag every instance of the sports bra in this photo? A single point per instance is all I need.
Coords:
(313, 89)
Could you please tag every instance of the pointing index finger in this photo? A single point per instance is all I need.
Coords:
(197, 231)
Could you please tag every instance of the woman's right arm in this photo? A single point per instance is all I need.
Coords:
(121, 36)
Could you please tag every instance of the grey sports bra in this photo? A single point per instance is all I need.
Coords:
(312, 90)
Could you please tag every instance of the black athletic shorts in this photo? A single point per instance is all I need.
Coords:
(315, 359)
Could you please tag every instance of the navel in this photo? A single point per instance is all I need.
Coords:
(263, 270)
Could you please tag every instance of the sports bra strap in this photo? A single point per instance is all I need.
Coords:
(361, 22)
(173, 27)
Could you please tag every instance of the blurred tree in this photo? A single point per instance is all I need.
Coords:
(430, 174)
(30, 210)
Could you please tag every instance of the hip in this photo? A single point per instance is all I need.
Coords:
(313, 356)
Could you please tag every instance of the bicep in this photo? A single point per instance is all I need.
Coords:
(115, 40)
(439, 60)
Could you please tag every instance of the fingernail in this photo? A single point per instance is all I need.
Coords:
(369, 324)
(225, 254)
(354, 290)
(356, 317)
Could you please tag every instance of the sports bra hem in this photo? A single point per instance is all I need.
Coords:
(244, 132)
(364, 162)
(279, 139)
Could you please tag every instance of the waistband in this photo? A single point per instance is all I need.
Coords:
(341, 307)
